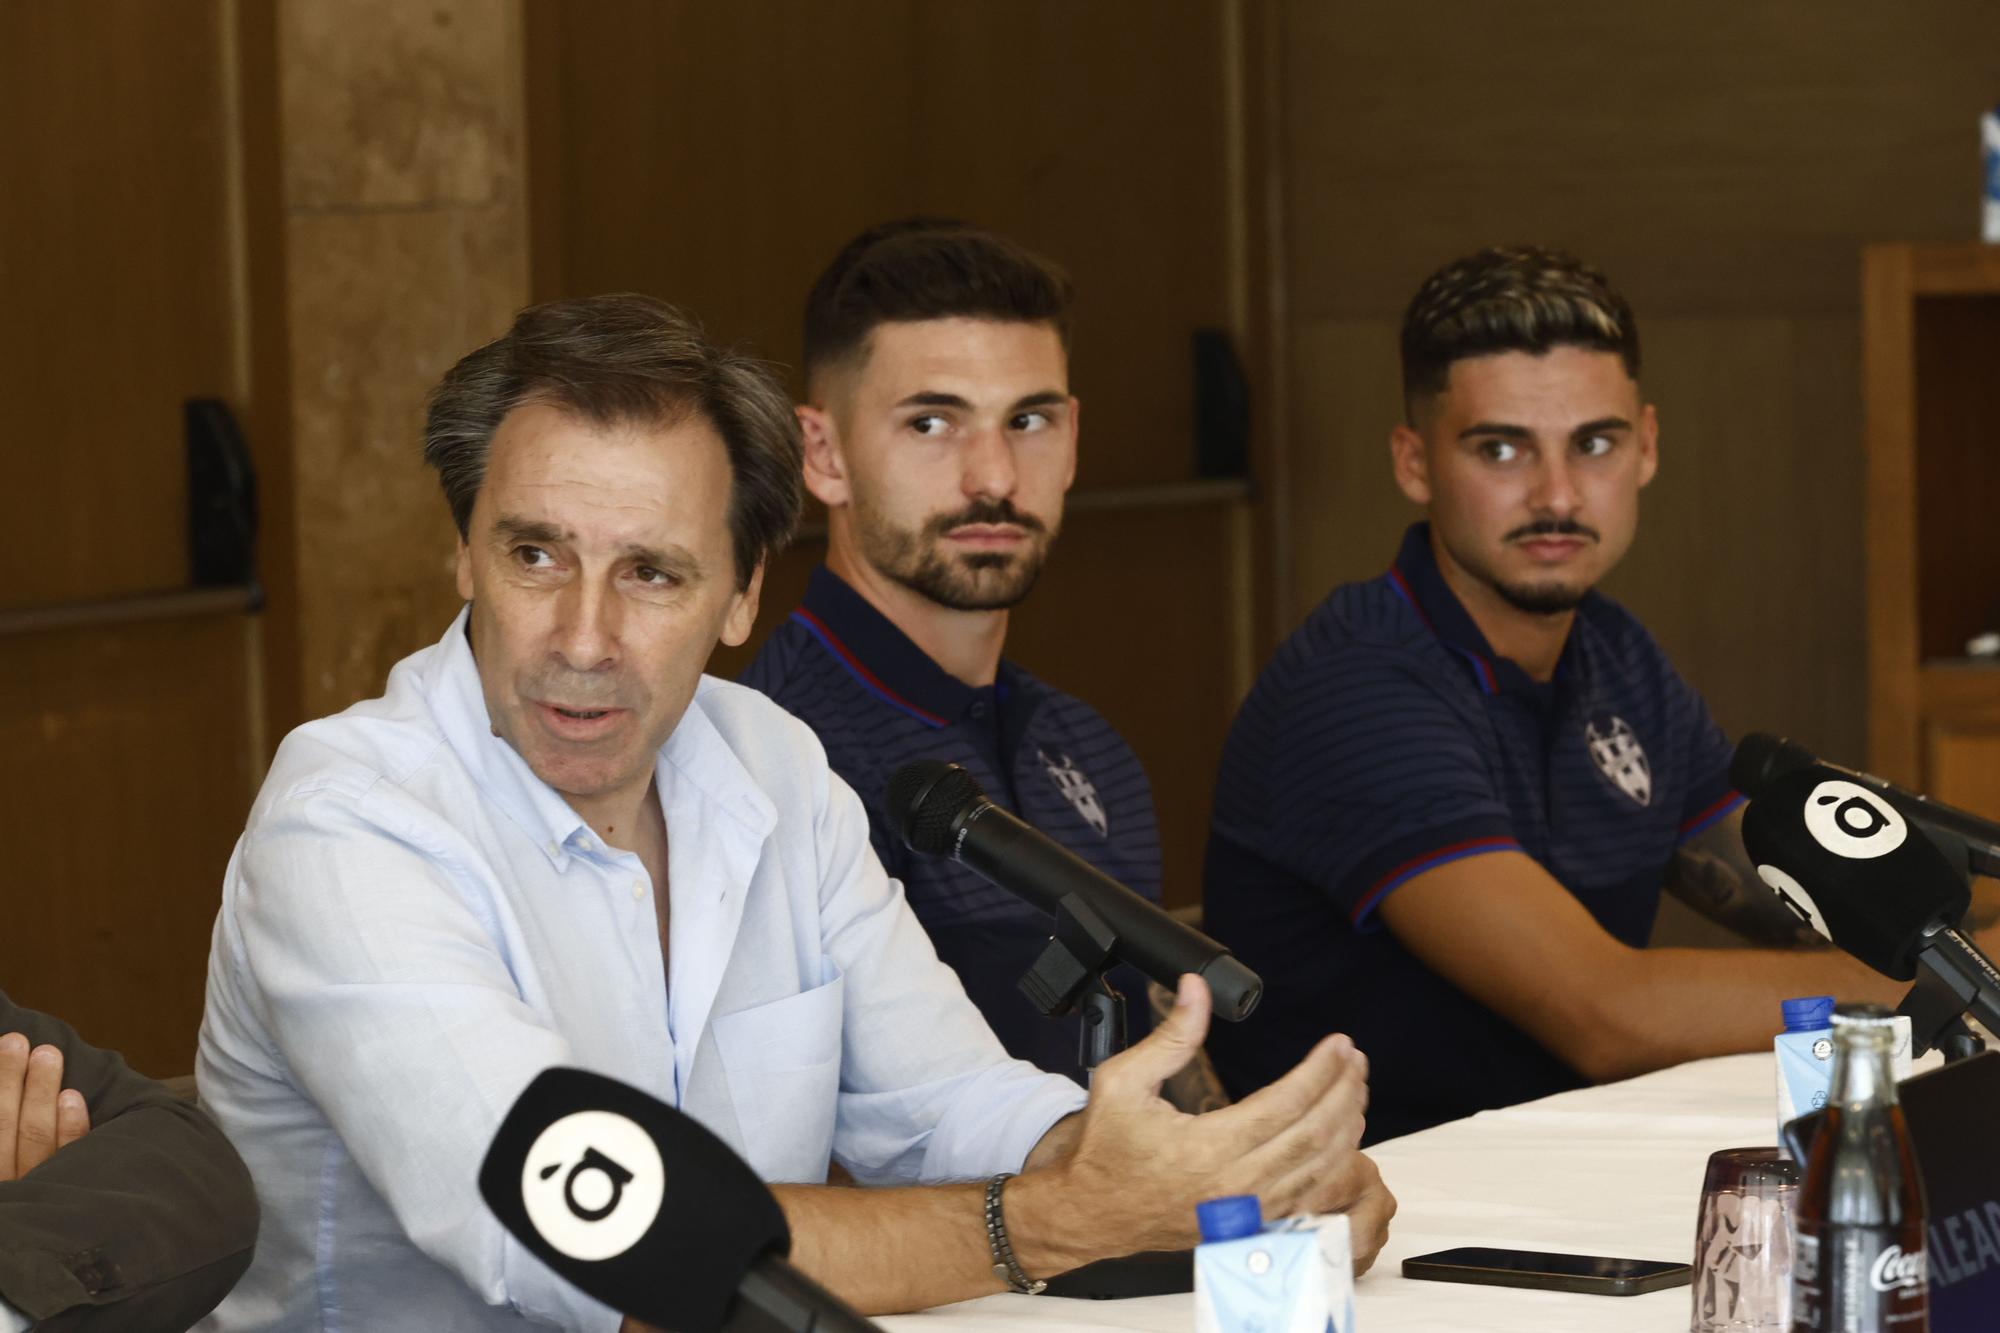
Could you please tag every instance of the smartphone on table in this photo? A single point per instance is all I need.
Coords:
(1594, 1274)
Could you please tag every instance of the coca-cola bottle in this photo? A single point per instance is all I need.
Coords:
(1858, 1258)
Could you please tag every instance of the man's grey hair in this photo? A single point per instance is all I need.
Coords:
(621, 360)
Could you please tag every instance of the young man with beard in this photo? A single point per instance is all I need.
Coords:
(941, 434)
(1448, 807)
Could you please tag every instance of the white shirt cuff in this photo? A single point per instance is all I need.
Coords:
(12, 1320)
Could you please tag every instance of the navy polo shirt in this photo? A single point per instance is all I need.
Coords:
(878, 701)
(1385, 739)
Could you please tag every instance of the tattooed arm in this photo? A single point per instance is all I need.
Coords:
(1712, 874)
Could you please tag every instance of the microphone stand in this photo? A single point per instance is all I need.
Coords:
(1936, 1008)
(1070, 974)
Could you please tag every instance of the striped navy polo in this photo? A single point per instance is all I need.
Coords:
(1385, 739)
(878, 701)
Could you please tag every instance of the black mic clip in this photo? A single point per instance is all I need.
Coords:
(1069, 974)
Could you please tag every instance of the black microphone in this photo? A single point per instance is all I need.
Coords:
(580, 1173)
(939, 809)
(1858, 867)
(1761, 758)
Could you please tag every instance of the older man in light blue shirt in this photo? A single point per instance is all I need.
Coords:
(553, 841)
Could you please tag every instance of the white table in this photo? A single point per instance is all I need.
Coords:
(1611, 1170)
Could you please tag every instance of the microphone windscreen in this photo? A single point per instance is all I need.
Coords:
(1761, 757)
(1852, 865)
(629, 1199)
(926, 797)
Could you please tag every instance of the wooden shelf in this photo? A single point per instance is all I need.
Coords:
(1931, 390)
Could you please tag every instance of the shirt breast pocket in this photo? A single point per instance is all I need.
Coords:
(782, 1060)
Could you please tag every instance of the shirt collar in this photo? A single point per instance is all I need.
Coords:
(883, 658)
(696, 753)
(1416, 578)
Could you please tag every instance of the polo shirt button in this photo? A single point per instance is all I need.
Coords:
(979, 709)
(638, 890)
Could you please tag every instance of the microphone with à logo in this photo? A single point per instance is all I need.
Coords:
(645, 1210)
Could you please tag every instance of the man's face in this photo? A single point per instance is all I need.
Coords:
(1531, 468)
(955, 442)
(601, 576)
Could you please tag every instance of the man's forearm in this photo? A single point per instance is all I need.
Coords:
(885, 1251)
(890, 1250)
(1667, 1006)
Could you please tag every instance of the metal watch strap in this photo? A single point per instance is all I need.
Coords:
(1005, 1266)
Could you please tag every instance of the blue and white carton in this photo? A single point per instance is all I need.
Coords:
(1294, 1276)
(1805, 1057)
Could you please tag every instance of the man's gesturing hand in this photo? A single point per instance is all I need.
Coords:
(36, 1115)
(1138, 1166)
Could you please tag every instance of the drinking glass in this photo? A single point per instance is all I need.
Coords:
(1743, 1242)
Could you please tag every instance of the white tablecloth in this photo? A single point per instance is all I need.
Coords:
(1612, 1170)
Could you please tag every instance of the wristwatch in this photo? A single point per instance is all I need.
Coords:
(1005, 1266)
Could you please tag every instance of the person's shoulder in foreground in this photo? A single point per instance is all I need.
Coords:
(1449, 806)
(553, 842)
(122, 1207)
(941, 435)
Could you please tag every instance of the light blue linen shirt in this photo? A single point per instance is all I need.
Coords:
(413, 926)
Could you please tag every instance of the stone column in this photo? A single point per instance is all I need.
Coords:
(407, 245)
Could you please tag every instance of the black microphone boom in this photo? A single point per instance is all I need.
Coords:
(939, 809)
(645, 1210)
(1762, 758)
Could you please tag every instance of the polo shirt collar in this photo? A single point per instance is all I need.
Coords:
(1417, 579)
(882, 657)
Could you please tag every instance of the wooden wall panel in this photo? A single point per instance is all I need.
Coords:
(1094, 138)
(131, 748)
(1714, 155)
(114, 275)
(128, 774)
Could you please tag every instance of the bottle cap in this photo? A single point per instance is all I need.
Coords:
(1807, 1013)
(1229, 1218)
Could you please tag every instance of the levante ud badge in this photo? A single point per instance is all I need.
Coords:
(1077, 789)
(1620, 757)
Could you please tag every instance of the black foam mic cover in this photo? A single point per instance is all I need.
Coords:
(629, 1199)
(1761, 757)
(1854, 865)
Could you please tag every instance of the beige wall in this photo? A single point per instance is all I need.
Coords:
(1724, 161)
(405, 229)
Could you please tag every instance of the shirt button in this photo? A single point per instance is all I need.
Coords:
(638, 890)
(979, 709)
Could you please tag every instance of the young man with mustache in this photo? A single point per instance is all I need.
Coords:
(941, 434)
(1448, 807)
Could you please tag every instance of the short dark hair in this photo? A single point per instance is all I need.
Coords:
(1521, 298)
(617, 360)
(927, 268)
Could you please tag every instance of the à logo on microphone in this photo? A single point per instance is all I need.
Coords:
(592, 1184)
(1849, 820)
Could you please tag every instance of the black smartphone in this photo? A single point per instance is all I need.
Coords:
(1592, 1273)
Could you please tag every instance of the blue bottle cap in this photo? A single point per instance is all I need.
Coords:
(1229, 1218)
(1808, 1013)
